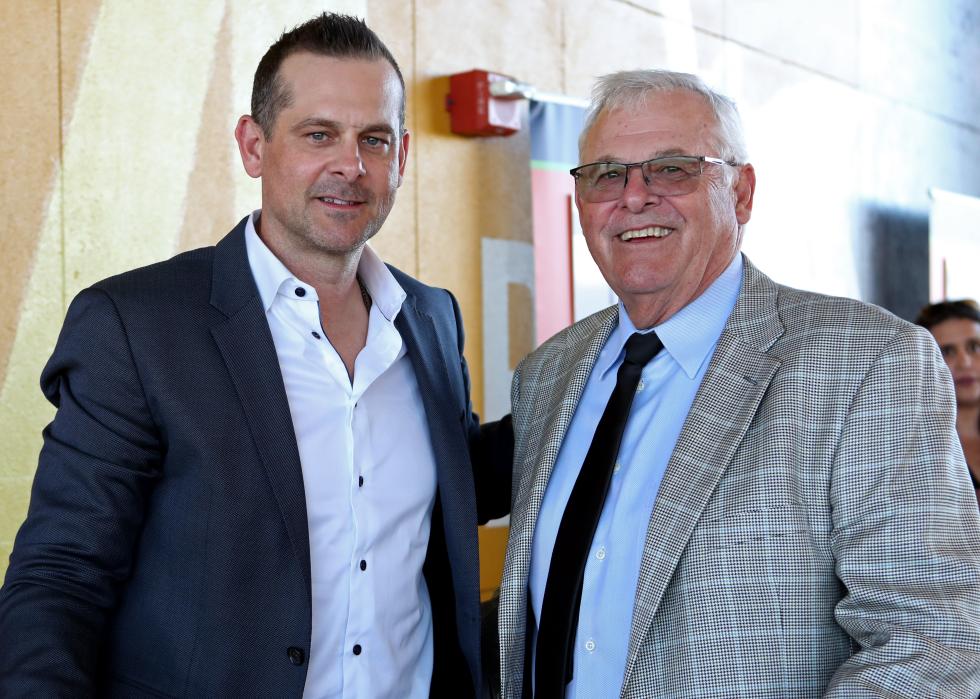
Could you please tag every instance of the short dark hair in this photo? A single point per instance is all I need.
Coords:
(936, 313)
(329, 34)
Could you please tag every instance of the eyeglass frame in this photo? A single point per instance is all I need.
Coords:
(702, 159)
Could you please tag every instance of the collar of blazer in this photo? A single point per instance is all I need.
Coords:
(232, 285)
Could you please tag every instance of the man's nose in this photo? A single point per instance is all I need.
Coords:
(347, 161)
(636, 194)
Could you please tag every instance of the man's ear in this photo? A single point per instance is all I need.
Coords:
(251, 142)
(402, 156)
(744, 192)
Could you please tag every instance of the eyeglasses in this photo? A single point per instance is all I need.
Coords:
(666, 177)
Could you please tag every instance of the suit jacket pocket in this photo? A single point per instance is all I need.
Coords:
(735, 598)
(754, 526)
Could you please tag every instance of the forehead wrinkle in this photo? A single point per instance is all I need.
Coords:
(326, 123)
(679, 121)
(666, 153)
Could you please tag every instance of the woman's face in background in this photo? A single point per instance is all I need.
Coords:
(959, 340)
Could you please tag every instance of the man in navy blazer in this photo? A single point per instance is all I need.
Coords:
(258, 480)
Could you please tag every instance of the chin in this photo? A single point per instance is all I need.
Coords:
(967, 395)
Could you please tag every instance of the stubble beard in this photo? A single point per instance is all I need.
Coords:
(321, 239)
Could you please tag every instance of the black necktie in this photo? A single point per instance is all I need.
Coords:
(563, 591)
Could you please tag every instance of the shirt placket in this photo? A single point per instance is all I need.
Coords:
(358, 639)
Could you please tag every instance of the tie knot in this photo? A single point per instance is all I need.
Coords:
(642, 347)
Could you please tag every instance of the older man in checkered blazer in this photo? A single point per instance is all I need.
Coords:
(784, 510)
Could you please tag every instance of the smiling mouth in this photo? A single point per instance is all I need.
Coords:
(650, 232)
(333, 201)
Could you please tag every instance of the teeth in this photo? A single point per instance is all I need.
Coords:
(339, 202)
(651, 232)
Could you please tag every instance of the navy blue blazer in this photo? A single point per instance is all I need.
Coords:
(166, 551)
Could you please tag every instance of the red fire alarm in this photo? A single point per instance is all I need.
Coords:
(481, 103)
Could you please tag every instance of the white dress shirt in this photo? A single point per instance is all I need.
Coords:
(370, 481)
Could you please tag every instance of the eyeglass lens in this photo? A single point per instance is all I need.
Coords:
(663, 176)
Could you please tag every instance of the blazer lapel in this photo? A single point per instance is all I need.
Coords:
(434, 377)
(430, 340)
(246, 344)
(571, 368)
(725, 404)
(568, 369)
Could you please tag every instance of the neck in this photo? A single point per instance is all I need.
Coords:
(332, 274)
(968, 420)
(647, 310)
(647, 313)
(344, 314)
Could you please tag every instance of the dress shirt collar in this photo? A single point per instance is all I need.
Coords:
(690, 335)
(272, 277)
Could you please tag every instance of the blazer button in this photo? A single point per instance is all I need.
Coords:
(296, 655)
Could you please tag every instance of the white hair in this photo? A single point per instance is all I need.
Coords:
(630, 89)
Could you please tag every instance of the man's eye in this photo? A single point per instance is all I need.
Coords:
(670, 170)
(317, 136)
(375, 141)
(606, 175)
(673, 169)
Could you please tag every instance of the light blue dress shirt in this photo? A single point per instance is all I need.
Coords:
(663, 399)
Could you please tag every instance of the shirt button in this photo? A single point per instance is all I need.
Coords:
(363, 565)
(590, 645)
(616, 467)
(357, 649)
(601, 553)
(300, 291)
(639, 386)
(315, 334)
(360, 481)
(296, 655)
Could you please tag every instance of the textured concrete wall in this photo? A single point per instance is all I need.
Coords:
(118, 147)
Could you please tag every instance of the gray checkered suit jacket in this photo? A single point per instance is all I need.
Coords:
(814, 532)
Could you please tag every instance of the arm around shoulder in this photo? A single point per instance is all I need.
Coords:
(492, 453)
(491, 445)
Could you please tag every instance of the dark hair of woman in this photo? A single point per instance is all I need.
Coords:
(956, 327)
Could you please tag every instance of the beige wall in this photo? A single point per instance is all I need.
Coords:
(118, 147)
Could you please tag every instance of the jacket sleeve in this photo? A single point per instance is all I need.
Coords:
(906, 534)
(100, 458)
